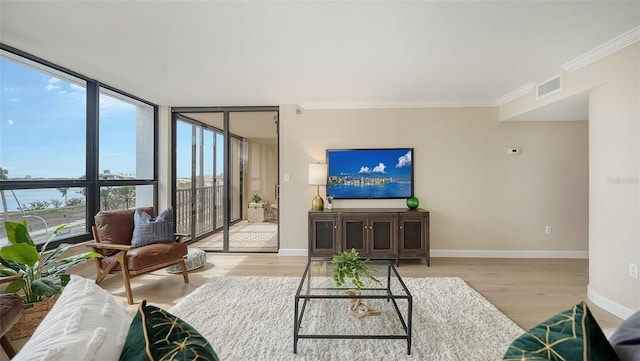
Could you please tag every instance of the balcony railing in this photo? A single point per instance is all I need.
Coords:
(208, 209)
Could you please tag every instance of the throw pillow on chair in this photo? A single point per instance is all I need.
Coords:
(149, 230)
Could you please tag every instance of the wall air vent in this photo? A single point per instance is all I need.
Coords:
(549, 87)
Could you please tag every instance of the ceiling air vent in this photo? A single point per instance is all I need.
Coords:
(549, 87)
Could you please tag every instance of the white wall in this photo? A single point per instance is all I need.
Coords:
(262, 171)
(579, 177)
(614, 170)
(614, 143)
(483, 202)
(164, 157)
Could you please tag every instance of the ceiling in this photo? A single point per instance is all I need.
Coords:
(315, 53)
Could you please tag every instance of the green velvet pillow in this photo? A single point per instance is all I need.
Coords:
(155, 334)
(570, 335)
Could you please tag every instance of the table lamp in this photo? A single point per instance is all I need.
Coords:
(317, 177)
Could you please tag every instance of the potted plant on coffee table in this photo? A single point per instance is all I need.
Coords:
(36, 276)
(350, 267)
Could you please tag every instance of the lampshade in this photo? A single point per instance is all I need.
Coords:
(317, 174)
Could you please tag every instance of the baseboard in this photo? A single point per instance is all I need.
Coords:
(508, 254)
(297, 252)
(293, 252)
(606, 304)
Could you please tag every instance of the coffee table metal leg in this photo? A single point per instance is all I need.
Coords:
(409, 323)
(295, 328)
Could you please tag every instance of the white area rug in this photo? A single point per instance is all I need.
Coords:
(251, 318)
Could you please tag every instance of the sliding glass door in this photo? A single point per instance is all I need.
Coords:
(199, 151)
(226, 178)
(257, 156)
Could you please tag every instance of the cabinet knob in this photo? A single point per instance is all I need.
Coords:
(400, 227)
(336, 227)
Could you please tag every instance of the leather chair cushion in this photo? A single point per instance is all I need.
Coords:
(150, 255)
(10, 311)
(116, 227)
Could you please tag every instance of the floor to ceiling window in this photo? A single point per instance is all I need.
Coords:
(226, 163)
(69, 147)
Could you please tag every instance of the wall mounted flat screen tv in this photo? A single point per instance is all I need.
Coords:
(370, 173)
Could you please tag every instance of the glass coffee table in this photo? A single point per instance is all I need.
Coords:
(322, 308)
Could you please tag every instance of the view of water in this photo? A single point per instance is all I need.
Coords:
(388, 190)
(26, 196)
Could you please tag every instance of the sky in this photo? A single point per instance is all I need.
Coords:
(371, 163)
(183, 145)
(43, 130)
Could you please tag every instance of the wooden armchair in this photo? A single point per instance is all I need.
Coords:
(112, 234)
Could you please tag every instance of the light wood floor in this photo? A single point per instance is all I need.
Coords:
(527, 290)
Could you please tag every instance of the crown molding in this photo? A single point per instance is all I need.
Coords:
(630, 37)
(604, 50)
(475, 103)
(514, 94)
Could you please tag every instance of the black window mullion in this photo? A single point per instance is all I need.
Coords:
(93, 145)
(92, 181)
(156, 157)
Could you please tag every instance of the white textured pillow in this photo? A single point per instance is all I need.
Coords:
(86, 323)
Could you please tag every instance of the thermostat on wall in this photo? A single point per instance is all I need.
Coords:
(513, 151)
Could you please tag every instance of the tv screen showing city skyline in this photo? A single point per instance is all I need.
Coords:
(383, 173)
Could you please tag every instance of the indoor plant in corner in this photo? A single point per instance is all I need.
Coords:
(39, 277)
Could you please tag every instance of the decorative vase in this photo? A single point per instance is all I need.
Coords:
(413, 202)
(330, 206)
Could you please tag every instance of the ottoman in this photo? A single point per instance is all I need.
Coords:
(195, 259)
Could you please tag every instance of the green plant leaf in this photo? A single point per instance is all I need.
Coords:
(18, 232)
(349, 265)
(7, 273)
(46, 286)
(83, 256)
(51, 237)
(61, 269)
(15, 286)
(22, 253)
(65, 279)
(66, 263)
(59, 228)
(59, 251)
(21, 257)
(16, 267)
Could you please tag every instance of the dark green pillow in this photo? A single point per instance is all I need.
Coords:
(570, 335)
(155, 334)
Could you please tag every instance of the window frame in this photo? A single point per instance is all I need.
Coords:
(92, 181)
